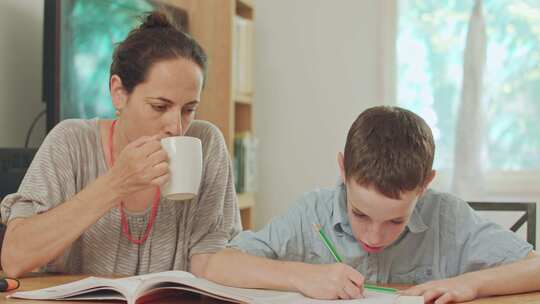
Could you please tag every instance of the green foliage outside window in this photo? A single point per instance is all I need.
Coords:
(90, 30)
(430, 46)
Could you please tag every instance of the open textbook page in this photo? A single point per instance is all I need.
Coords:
(150, 287)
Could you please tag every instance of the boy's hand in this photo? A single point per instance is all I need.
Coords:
(328, 281)
(452, 290)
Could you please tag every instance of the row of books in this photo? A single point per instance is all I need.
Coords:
(245, 162)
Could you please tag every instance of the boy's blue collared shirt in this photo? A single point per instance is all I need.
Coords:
(444, 238)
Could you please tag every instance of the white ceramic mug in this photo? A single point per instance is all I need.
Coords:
(185, 167)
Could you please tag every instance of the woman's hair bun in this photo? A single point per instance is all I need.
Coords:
(155, 20)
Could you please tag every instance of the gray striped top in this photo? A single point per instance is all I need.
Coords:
(72, 156)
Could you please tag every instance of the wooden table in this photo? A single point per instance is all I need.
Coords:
(36, 281)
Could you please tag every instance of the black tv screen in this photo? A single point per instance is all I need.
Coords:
(79, 39)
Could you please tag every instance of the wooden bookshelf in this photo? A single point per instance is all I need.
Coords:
(224, 102)
(246, 202)
(243, 98)
(243, 93)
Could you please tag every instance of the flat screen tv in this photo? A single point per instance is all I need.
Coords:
(78, 42)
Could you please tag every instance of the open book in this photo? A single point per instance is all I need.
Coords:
(151, 287)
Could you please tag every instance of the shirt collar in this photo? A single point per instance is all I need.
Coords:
(340, 219)
(416, 223)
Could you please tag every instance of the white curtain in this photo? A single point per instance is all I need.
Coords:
(470, 152)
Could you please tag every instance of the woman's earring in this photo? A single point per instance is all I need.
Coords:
(117, 113)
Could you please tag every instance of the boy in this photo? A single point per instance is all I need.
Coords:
(387, 226)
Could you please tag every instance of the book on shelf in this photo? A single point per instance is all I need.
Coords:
(243, 56)
(174, 285)
(245, 162)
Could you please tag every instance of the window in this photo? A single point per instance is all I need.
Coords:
(89, 32)
(430, 43)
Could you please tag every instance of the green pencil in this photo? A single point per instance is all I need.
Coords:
(328, 244)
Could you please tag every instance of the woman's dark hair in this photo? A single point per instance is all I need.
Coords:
(154, 40)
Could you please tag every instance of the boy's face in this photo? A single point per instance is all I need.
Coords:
(376, 220)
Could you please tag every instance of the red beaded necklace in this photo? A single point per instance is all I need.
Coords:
(124, 220)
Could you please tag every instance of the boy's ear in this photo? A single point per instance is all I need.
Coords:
(429, 179)
(118, 93)
(341, 165)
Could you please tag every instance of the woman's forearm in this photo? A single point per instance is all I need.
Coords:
(33, 242)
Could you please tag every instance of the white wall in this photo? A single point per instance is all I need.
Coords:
(318, 65)
(21, 36)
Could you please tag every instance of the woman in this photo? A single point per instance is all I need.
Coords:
(90, 201)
